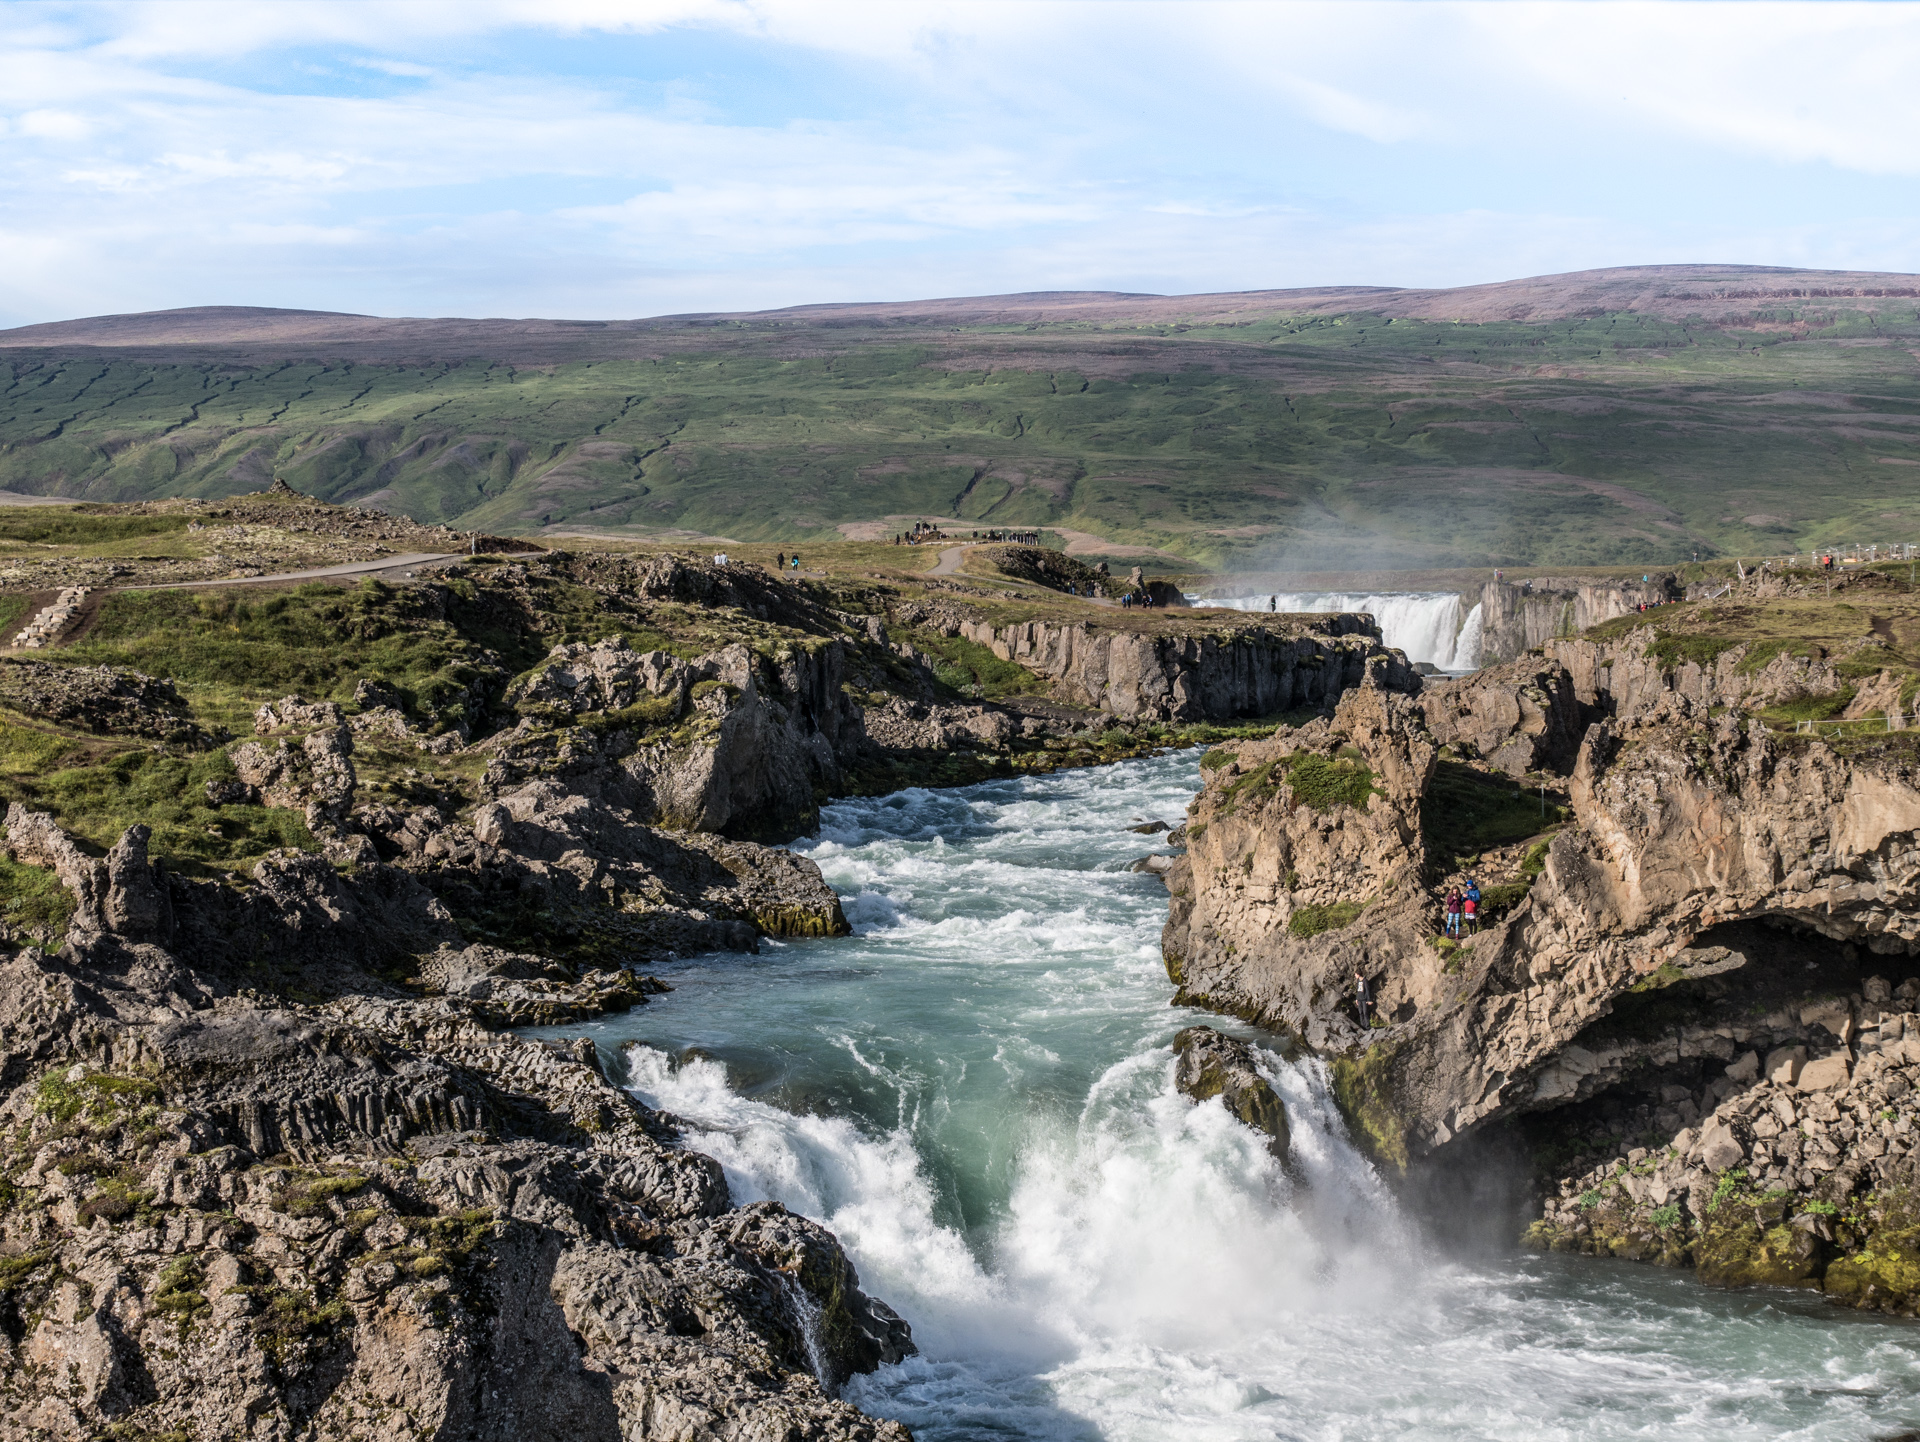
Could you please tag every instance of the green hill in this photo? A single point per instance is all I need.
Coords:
(1269, 430)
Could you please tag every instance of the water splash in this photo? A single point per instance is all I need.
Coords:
(1430, 626)
(975, 1093)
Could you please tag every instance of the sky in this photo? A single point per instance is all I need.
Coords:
(593, 159)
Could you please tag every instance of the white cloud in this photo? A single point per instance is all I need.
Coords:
(52, 125)
(981, 146)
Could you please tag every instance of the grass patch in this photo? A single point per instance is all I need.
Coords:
(972, 670)
(32, 900)
(306, 1194)
(1465, 812)
(16, 1271)
(1323, 782)
(97, 1097)
(316, 641)
(1807, 708)
(97, 797)
(1312, 920)
(79, 526)
(1675, 651)
(1360, 1088)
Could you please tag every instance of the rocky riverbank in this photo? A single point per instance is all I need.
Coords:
(284, 873)
(259, 1185)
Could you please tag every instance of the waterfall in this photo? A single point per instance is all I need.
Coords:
(1430, 626)
(975, 1092)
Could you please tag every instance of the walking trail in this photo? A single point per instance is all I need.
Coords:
(354, 568)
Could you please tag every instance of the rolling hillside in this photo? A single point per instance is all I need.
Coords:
(1608, 417)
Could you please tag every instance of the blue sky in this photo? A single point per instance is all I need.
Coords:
(597, 159)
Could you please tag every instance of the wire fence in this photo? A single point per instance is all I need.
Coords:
(1857, 726)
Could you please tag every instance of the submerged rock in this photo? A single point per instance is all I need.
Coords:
(1212, 1065)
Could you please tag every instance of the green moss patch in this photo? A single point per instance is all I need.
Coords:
(1323, 782)
(1360, 1087)
(1313, 920)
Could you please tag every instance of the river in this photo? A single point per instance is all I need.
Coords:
(975, 1092)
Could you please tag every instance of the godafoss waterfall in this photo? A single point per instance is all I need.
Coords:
(1430, 626)
(975, 1092)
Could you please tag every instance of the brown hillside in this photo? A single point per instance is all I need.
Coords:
(1724, 294)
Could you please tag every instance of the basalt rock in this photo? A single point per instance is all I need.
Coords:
(1303, 865)
(1212, 1065)
(1251, 671)
(103, 699)
(1686, 827)
(736, 742)
(366, 1213)
(1516, 617)
(1521, 717)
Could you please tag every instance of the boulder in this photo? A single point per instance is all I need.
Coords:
(1783, 1065)
(1828, 1073)
(1212, 1065)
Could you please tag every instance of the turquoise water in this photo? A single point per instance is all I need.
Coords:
(975, 1092)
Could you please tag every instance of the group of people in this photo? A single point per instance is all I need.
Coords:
(925, 531)
(1018, 538)
(1463, 909)
(1143, 599)
(784, 562)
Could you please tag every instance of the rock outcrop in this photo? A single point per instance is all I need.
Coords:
(102, 699)
(1252, 670)
(1666, 976)
(1209, 1064)
(366, 1213)
(1521, 717)
(1517, 617)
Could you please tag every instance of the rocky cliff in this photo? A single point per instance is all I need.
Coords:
(1248, 670)
(1518, 616)
(1690, 962)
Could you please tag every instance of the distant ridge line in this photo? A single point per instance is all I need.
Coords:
(1728, 293)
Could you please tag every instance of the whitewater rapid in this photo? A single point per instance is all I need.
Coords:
(1430, 626)
(975, 1093)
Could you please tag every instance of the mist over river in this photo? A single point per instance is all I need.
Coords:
(976, 1093)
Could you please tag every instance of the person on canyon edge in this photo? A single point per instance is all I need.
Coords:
(1362, 998)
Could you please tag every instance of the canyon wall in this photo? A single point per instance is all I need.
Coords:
(1253, 670)
(1708, 943)
(1518, 616)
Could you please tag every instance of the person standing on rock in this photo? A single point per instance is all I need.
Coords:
(1362, 998)
(1470, 906)
(1453, 912)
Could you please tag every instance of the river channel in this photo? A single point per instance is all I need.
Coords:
(975, 1093)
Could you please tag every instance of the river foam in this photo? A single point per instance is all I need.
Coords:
(975, 1092)
(1430, 626)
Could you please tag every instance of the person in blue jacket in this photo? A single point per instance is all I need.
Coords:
(1473, 912)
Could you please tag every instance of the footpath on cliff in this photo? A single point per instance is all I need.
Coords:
(286, 865)
(1687, 1029)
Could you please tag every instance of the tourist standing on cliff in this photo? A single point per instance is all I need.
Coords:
(1453, 912)
(1470, 905)
(1362, 998)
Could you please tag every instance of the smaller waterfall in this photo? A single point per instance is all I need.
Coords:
(1430, 626)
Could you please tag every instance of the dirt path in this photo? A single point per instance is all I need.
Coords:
(949, 564)
(354, 568)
